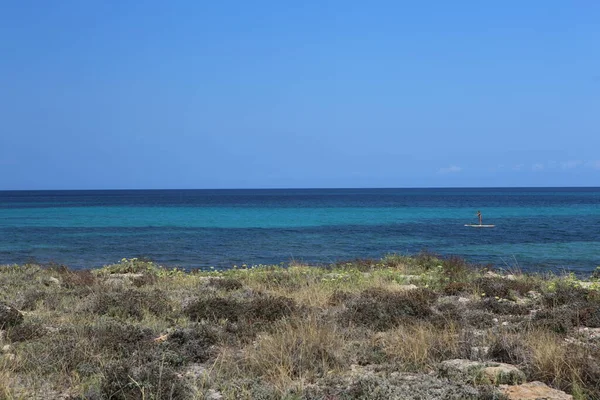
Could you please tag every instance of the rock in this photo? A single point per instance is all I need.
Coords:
(585, 284)
(9, 316)
(5, 348)
(589, 333)
(370, 383)
(460, 370)
(334, 277)
(480, 372)
(196, 371)
(510, 277)
(479, 352)
(491, 274)
(464, 300)
(408, 287)
(533, 391)
(504, 374)
(119, 280)
(52, 281)
(213, 395)
(410, 278)
(8, 357)
(532, 294)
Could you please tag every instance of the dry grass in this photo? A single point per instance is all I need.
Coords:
(420, 346)
(296, 352)
(137, 331)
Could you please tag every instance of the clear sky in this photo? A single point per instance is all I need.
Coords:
(262, 94)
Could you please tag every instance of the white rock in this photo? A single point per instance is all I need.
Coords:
(479, 352)
(213, 395)
(501, 373)
(408, 287)
(53, 281)
(533, 391)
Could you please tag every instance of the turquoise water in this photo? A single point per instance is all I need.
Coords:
(535, 228)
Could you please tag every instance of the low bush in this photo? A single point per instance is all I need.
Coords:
(565, 293)
(28, 330)
(269, 308)
(456, 288)
(31, 298)
(381, 309)
(261, 308)
(142, 377)
(226, 284)
(118, 338)
(558, 320)
(509, 349)
(131, 304)
(502, 307)
(505, 288)
(588, 316)
(192, 344)
(214, 309)
(362, 265)
(72, 279)
(339, 297)
(455, 269)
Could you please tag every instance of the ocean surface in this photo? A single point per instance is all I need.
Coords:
(536, 228)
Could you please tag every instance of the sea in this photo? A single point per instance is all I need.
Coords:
(555, 229)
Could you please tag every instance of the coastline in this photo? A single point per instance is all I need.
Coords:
(390, 328)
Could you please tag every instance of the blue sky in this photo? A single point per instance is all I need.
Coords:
(262, 94)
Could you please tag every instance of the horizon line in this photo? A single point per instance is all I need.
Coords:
(305, 188)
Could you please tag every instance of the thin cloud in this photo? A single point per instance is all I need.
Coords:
(518, 167)
(453, 169)
(593, 164)
(537, 167)
(570, 164)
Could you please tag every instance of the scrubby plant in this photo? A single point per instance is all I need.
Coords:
(381, 309)
(226, 284)
(131, 303)
(137, 330)
(214, 309)
(502, 307)
(505, 288)
(456, 288)
(28, 330)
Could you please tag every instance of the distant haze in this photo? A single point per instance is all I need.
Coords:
(274, 94)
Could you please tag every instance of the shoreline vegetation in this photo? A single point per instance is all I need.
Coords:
(402, 327)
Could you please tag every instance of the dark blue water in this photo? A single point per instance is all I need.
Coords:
(535, 228)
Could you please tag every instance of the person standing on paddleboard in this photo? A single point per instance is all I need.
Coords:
(479, 216)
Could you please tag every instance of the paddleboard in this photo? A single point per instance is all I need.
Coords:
(479, 226)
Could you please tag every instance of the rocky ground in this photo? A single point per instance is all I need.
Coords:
(418, 327)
